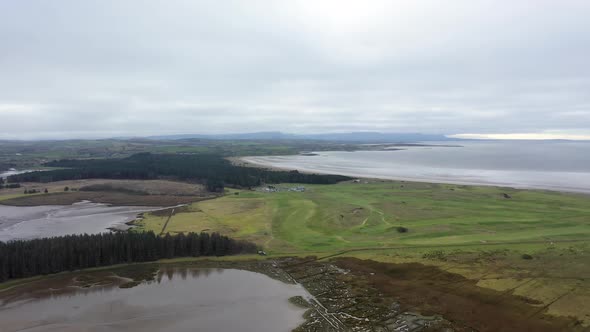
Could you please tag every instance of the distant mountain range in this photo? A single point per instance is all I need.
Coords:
(359, 137)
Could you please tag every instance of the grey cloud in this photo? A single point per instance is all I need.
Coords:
(103, 68)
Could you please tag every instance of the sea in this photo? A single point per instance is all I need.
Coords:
(550, 165)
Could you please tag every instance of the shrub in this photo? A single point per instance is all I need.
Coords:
(436, 255)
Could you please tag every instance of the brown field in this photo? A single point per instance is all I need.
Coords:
(431, 290)
(117, 192)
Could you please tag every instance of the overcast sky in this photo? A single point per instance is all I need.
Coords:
(71, 68)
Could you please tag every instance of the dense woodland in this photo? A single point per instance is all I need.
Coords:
(27, 258)
(211, 169)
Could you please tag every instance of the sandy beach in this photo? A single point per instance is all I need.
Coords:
(478, 164)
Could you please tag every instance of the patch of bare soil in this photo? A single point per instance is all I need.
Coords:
(432, 291)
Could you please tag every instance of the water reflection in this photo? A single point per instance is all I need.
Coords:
(179, 299)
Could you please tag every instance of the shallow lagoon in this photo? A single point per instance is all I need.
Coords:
(181, 299)
(27, 222)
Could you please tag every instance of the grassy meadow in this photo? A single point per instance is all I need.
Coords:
(479, 232)
(369, 215)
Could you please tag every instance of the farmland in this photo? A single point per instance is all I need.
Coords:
(117, 192)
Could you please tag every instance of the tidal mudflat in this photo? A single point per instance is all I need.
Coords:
(28, 222)
(178, 299)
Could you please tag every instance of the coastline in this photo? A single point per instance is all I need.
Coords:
(246, 162)
(256, 161)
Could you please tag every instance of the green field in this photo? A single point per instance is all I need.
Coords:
(478, 232)
(368, 215)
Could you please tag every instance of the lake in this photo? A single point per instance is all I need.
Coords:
(27, 222)
(552, 165)
(181, 299)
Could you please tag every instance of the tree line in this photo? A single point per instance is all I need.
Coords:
(3, 184)
(28, 258)
(211, 169)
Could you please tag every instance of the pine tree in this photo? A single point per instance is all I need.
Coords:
(27, 258)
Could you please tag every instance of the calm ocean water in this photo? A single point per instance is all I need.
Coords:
(553, 165)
